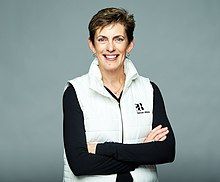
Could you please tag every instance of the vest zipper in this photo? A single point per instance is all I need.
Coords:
(122, 137)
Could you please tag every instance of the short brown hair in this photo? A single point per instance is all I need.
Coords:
(108, 16)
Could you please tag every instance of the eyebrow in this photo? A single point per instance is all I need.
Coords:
(116, 36)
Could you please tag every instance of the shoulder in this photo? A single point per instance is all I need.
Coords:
(154, 85)
(73, 83)
(156, 91)
(151, 83)
(80, 79)
(69, 91)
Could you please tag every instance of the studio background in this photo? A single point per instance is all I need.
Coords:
(43, 43)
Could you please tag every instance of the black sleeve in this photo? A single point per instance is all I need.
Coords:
(80, 161)
(145, 153)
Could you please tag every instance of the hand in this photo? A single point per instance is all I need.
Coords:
(157, 134)
(91, 147)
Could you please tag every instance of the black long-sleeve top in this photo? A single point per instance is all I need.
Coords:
(112, 158)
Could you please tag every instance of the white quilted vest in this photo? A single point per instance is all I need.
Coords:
(106, 121)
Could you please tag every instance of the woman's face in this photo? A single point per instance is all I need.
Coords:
(110, 46)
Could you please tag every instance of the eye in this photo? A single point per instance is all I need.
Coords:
(119, 39)
(101, 39)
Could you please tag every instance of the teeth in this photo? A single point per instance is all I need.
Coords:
(111, 56)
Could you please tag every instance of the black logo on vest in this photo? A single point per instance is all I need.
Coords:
(140, 109)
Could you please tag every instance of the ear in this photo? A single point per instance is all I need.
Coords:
(130, 46)
(91, 46)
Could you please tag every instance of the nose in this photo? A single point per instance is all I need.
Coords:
(110, 46)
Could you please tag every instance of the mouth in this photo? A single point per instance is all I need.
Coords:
(110, 57)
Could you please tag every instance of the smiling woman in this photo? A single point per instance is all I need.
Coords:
(110, 46)
(115, 123)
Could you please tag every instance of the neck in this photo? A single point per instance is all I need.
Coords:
(114, 81)
(112, 78)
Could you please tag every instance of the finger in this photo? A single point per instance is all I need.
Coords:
(163, 138)
(156, 128)
(151, 134)
(161, 135)
(162, 130)
(158, 132)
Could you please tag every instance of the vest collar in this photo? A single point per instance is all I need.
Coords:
(130, 72)
(95, 76)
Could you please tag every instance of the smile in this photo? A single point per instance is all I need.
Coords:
(111, 57)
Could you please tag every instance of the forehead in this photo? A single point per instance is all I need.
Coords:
(112, 29)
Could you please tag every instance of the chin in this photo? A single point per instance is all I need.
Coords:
(113, 66)
(110, 63)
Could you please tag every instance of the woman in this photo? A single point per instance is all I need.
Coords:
(115, 124)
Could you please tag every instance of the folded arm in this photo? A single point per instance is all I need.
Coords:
(157, 152)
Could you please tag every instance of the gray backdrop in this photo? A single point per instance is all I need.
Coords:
(43, 43)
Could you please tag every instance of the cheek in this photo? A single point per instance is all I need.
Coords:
(98, 48)
(123, 49)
